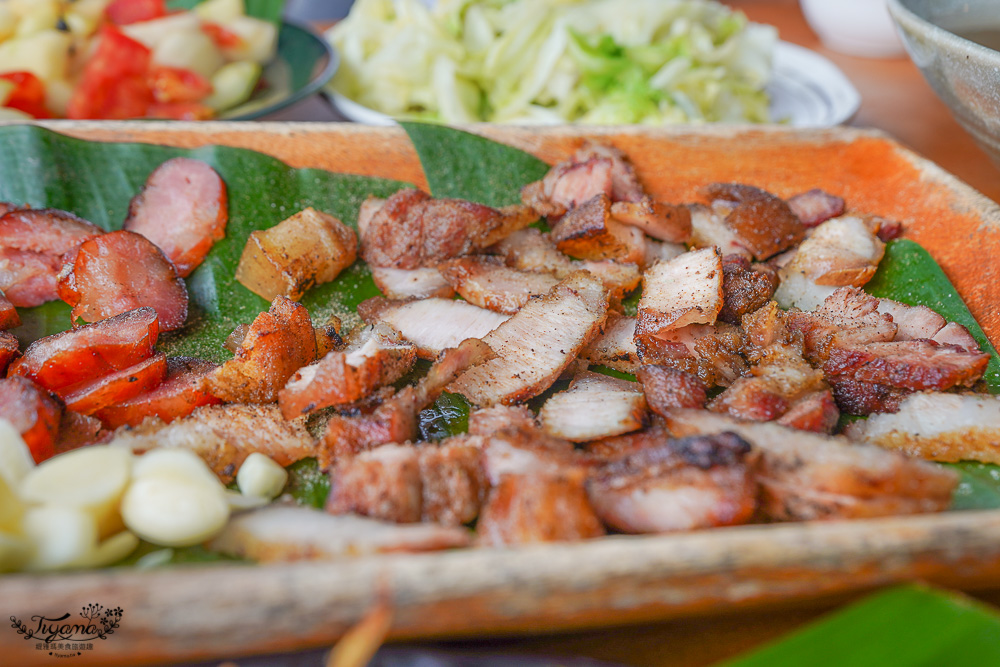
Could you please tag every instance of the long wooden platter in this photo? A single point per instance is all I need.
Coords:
(202, 612)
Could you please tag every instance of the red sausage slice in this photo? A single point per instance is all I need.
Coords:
(65, 359)
(183, 209)
(8, 314)
(121, 271)
(8, 350)
(33, 413)
(89, 397)
(181, 392)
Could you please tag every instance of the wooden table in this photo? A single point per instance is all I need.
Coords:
(895, 99)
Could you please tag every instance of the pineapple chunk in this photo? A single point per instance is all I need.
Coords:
(258, 39)
(307, 249)
(220, 11)
(44, 54)
(189, 49)
(233, 84)
(45, 16)
(152, 33)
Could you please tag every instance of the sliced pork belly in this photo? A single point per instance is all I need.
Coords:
(840, 252)
(815, 206)
(534, 346)
(709, 228)
(625, 184)
(712, 353)
(487, 421)
(665, 222)
(865, 398)
(454, 480)
(224, 435)
(916, 322)
(807, 476)
(375, 357)
(848, 316)
(595, 406)
(817, 412)
(913, 364)
(590, 232)
(121, 271)
(412, 230)
(281, 532)
(745, 287)
(667, 388)
(32, 244)
(569, 184)
(686, 484)
(278, 343)
(657, 251)
(527, 450)
(420, 283)
(686, 290)
(183, 208)
(615, 347)
(763, 223)
(942, 427)
(432, 325)
(8, 314)
(485, 281)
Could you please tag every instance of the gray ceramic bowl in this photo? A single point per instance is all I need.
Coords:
(963, 73)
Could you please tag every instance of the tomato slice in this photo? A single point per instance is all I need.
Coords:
(114, 83)
(224, 39)
(176, 84)
(33, 413)
(89, 397)
(124, 12)
(28, 95)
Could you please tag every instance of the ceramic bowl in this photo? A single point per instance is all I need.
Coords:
(963, 73)
(855, 27)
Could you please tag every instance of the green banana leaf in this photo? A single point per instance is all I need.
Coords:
(907, 626)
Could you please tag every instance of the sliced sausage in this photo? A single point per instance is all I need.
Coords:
(180, 393)
(89, 397)
(8, 314)
(33, 412)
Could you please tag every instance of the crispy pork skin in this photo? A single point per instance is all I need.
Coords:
(183, 209)
(485, 281)
(534, 346)
(432, 325)
(595, 406)
(745, 287)
(667, 388)
(686, 484)
(763, 223)
(807, 476)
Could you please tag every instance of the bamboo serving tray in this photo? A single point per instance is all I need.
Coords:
(216, 611)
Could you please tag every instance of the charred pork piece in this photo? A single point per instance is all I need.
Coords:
(815, 206)
(224, 435)
(920, 322)
(712, 353)
(762, 223)
(686, 290)
(840, 252)
(375, 357)
(8, 314)
(485, 281)
(817, 412)
(615, 346)
(848, 316)
(942, 427)
(665, 222)
(917, 365)
(668, 388)
(121, 271)
(278, 343)
(395, 419)
(411, 283)
(595, 406)
(32, 245)
(183, 209)
(33, 413)
(745, 287)
(687, 484)
(806, 476)
(408, 483)
(412, 230)
(487, 421)
(534, 346)
(178, 395)
(590, 232)
(279, 533)
(432, 325)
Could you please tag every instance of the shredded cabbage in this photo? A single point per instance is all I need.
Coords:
(555, 61)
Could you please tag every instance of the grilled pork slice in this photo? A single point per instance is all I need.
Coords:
(8, 314)
(666, 222)
(90, 351)
(408, 483)
(676, 485)
(625, 184)
(708, 229)
(183, 209)
(942, 427)
(745, 287)
(840, 252)
(920, 322)
(712, 353)
(762, 223)
(121, 271)
(33, 413)
(805, 476)
(420, 283)
(487, 282)
(395, 419)
(281, 532)
(865, 398)
(667, 388)
(817, 412)
(32, 245)
(595, 406)
(530, 250)
(412, 230)
(534, 346)
(376, 356)
(589, 232)
(657, 251)
(916, 365)
(8, 350)
(615, 346)
(815, 206)
(278, 343)
(224, 435)
(685, 290)
(848, 316)
(487, 421)
(432, 325)
(180, 393)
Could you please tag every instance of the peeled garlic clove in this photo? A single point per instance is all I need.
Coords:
(261, 477)
(172, 460)
(239, 502)
(111, 550)
(174, 510)
(90, 478)
(61, 536)
(15, 458)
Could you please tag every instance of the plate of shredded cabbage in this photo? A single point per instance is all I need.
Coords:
(577, 61)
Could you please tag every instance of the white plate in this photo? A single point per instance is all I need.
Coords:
(806, 90)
